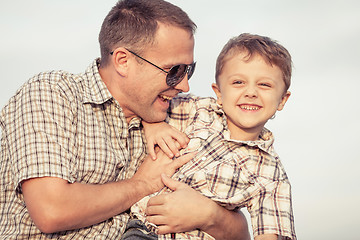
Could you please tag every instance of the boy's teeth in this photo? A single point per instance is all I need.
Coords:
(250, 108)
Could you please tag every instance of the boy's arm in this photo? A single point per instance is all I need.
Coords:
(185, 209)
(268, 237)
(275, 199)
(168, 138)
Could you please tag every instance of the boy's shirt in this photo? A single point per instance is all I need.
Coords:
(234, 174)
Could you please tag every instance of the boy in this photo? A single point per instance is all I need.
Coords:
(236, 165)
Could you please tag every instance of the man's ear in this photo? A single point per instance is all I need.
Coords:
(120, 60)
(284, 100)
(216, 90)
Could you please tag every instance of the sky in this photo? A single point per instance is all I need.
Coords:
(317, 133)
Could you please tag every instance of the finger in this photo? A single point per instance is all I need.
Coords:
(183, 159)
(177, 145)
(164, 146)
(150, 146)
(165, 229)
(169, 182)
(158, 220)
(173, 145)
(154, 210)
(156, 200)
(152, 153)
(182, 138)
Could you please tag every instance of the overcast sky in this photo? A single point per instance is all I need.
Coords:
(317, 134)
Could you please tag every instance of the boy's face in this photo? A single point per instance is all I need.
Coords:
(250, 91)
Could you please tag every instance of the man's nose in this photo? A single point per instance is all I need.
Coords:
(183, 86)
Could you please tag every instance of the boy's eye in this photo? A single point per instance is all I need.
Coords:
(265, 84)
(238, 82)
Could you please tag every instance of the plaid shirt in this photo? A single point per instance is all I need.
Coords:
(233, 173)
(67, 126)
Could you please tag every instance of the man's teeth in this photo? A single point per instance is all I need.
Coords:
(249, 108)
(166, 98)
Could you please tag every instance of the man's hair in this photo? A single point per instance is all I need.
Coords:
(133, 24)
(271, 51)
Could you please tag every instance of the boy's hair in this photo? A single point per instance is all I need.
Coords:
(271, 51)
(133, 24)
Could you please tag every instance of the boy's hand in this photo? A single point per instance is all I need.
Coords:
(168, 138)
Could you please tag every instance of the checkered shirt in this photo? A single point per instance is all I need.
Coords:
(235, 174)
(66, 126)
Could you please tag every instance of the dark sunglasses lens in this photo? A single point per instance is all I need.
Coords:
(191, 70)
(175, 75)
(178, 72)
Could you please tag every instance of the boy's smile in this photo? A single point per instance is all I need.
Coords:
(250, 92)
(249, 107)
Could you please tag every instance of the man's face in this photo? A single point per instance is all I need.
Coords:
(147, 94)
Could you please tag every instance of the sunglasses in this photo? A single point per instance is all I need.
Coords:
(176, 73)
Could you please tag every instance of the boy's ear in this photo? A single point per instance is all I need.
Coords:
(120, 60)
(216, 89)
(284, 100)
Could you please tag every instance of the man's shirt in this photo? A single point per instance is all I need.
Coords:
(66, 126)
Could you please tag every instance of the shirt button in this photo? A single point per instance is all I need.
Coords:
(235, 175)
(203, 158)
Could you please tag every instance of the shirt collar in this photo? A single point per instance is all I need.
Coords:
(95, 90)
(265, 141)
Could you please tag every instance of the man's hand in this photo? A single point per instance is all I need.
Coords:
(186, 209)
(164, 211)
(149, 173)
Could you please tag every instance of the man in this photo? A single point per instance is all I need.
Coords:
(71, 143)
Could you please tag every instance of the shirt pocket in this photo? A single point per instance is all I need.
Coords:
(227, 180)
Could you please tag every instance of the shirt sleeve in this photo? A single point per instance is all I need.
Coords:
(267, 199)
(182, 111)
(39, 132)
(271, 209)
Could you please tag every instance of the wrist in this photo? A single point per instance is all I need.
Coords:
(140, 188)
(213, 215)
(136, 189)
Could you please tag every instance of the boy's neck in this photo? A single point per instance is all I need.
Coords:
(241, 134)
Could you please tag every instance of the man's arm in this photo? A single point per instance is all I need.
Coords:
(56, 205)
(185, 209)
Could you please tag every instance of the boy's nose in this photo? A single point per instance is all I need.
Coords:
(251, 92)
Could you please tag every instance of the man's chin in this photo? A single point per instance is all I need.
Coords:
(155, 117)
